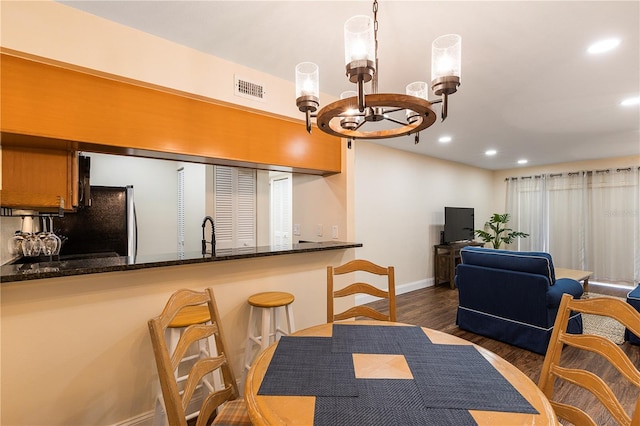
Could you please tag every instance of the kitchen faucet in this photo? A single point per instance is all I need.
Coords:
(213, 236)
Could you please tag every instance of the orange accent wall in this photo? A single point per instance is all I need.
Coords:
(93, 111)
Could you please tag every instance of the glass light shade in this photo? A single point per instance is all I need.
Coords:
(419, 89)
(351, 94)
(350, 120)
(359, 43)
(446, 56)
(307, 80)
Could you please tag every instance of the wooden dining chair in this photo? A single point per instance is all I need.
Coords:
(552, 370)
(224, 403)
(360, 265)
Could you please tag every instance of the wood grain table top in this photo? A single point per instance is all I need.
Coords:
(299, 410)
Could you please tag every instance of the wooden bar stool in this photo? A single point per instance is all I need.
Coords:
(270, 302)
(189, 315)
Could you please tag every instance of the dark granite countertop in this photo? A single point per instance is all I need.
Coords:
(66, 267)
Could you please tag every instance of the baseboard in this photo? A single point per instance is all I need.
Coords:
(144, 419)
(401, 289)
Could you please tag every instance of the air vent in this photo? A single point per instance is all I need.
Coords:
(249, 89)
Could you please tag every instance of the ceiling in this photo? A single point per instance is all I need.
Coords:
(529, 88)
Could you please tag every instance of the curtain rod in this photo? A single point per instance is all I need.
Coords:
(588, 172)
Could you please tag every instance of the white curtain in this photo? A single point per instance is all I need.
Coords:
(567, 226)
(613, 228)
(586, 220)
(527, 205)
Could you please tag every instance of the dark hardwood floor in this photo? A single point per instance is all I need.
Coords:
(435, 307)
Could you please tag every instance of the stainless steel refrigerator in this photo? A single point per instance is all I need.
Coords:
(106, 227)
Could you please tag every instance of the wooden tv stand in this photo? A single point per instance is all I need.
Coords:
(445, 259)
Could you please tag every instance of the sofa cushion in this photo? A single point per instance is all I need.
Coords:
(633, 298)
(521, 261)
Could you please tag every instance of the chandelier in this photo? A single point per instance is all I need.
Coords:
(352, 116)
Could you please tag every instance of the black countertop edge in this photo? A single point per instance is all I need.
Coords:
(64, 268)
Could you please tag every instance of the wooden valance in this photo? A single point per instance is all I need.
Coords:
(64, 106)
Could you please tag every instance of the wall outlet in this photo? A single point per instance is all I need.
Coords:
(319, 230)
(334, 232)
(296, 229)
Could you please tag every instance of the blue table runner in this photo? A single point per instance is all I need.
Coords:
(458, 376)
(448, 380)
(378, 339)
(305, 366)
(385, 402)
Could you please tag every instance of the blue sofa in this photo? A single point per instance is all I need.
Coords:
(633, 298)
(512, 296)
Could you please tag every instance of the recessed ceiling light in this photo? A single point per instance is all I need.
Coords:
(445, 139)
(523, 161)
(490, 152)
(631, 101)
(603, 46)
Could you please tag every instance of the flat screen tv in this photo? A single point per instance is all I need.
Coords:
(458, 224)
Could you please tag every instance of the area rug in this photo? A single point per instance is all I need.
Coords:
(601, 325)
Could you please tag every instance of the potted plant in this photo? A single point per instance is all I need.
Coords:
(496, 231)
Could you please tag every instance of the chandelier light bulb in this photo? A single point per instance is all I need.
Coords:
(351, 94)
(350, 119)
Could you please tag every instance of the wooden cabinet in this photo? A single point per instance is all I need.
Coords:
(98, 112)
(445, 259)
(39, 179)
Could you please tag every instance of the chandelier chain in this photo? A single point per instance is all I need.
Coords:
(374, 81)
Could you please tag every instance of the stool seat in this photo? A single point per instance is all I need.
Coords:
(190, 315)
(271, 299)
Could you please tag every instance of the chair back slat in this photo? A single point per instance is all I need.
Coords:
(355, 266)
(193, 333)
(213, 401)
(616, 357)
(608, 350)
(357, 288)
(597, 386)
(575, 415)
(177, 301)
(175, 400)
(200, 369)
(361, 311)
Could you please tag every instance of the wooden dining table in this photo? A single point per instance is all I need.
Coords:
(316, 394)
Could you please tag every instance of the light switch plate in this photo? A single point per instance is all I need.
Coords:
(319, 230)
(334, 231)
(296, 229)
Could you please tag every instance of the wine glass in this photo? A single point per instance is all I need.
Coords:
(50, 241)
(15, 243)
(31, 245)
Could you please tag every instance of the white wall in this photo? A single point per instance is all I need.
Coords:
(399, 206)
(155, 189)
(76, 350)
